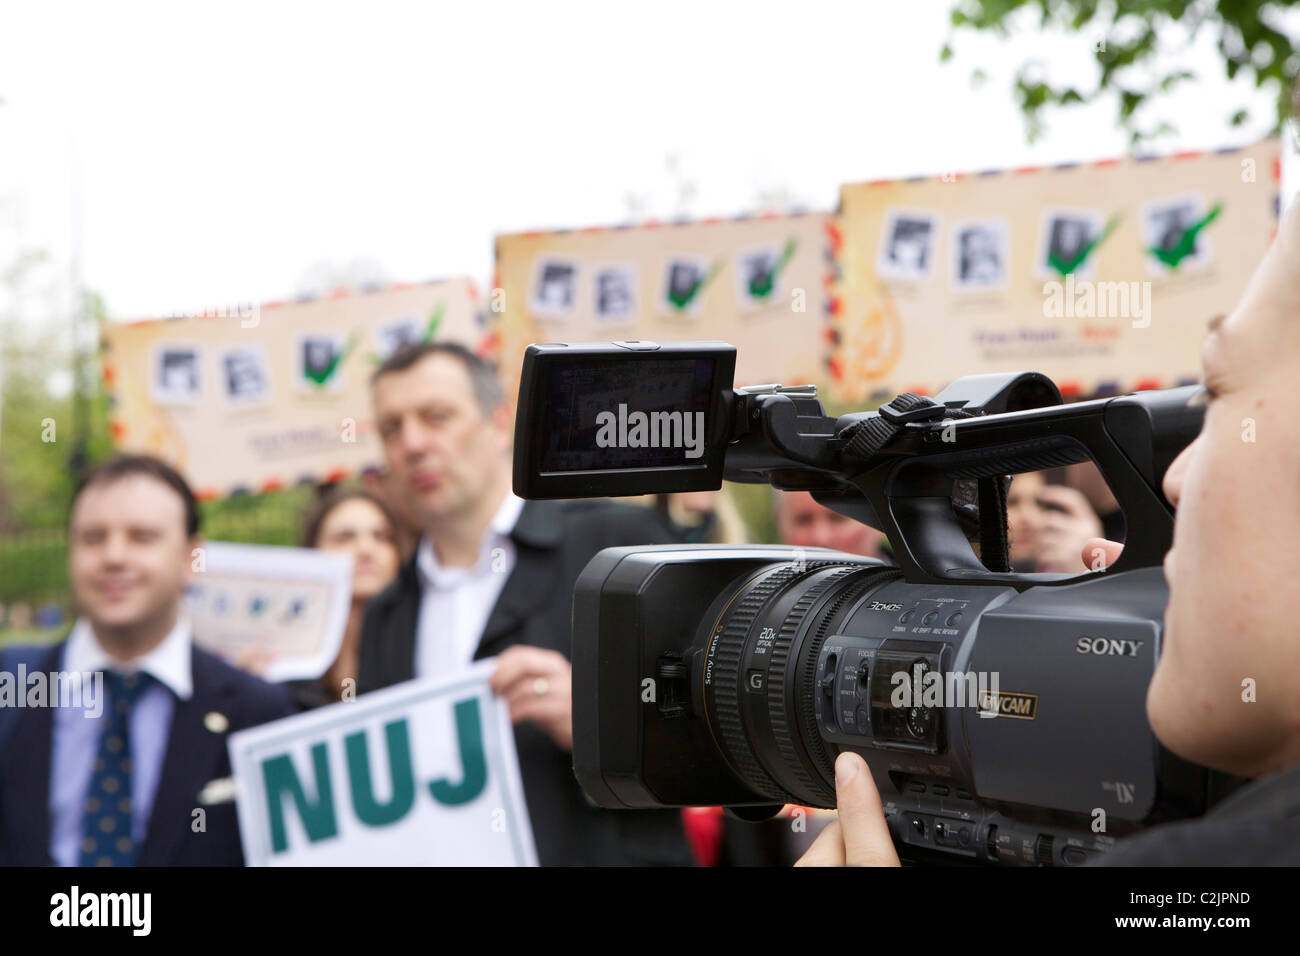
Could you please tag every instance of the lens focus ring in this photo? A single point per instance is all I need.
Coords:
(725, 654)
(783, 729)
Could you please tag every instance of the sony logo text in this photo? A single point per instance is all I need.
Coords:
(1107, 646)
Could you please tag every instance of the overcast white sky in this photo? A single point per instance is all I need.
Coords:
(224, 150)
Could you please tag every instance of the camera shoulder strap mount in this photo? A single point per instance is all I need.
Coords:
(863, 440)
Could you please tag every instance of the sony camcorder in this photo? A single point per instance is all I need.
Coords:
(1002, 714)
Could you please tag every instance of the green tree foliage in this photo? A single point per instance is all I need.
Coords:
(42, 428)
(45, 433)
(40, 425)
(1133, 45)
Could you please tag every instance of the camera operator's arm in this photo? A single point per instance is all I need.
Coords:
(860, 837)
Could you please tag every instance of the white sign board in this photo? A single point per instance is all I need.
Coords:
(278, 612)
(420, 774)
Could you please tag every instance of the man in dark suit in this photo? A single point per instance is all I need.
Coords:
(117, 755)
(493, 576)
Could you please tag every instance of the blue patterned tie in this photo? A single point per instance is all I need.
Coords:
(106, 831)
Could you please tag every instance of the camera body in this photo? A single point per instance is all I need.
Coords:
(1035, 748)
(1002, 714)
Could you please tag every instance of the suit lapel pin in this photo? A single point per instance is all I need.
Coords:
(216, 722)
(218, 791)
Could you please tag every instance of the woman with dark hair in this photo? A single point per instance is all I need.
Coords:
(358, 523)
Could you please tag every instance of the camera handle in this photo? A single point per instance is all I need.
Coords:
(863, 439)
(907, 482)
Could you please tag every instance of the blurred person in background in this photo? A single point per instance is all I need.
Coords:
(802, 522)
(1086, 478)
(357, 523)
(703, 517)
(1048, 525)
(1025, 520)
(1067, 522)
(379, 483)
(493, 576)
(116, 777)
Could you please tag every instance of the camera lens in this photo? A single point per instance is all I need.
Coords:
(776, 621)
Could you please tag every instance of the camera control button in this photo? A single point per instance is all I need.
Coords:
(930, 617)
(635, 345)
(863, 720)
(954, 619)
(906, 615)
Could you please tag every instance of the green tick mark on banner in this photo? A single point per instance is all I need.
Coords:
(684, 297)
(435, 319)
(1066, 266)
(320, 376)
(429, 333)
(1186, 243)
(761, 285)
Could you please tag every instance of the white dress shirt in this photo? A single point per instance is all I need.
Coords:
(77, 730)
(455, 602)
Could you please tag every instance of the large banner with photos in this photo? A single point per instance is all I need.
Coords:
(758, 282)
(1102, 276)
(260, 398)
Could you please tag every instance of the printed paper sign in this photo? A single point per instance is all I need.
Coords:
(420, 774)
(280, 612)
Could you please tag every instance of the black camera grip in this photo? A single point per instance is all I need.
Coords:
(1131, 438)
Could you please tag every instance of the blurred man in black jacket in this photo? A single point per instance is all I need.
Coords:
(493, 576)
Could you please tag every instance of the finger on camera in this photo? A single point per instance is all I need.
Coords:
(867, 841)
(827, 849)
(1101, 553)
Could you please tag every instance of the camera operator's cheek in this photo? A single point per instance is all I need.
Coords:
(1185, 710)
(1222, 615)
(1180, 694)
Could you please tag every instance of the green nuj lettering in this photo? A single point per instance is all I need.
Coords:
(317, 818)
(370, 811)
(472, 758)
